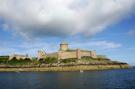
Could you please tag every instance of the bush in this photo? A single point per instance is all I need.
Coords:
(68, 60)
(87, 58)
(14, 61)
(41, 60)
(102, 59)
(34, 58)
(50, 60)
(4, 59)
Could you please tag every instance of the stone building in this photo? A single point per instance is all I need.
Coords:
(18, 56)
(65, 52)
(64, 46)
(41, 54)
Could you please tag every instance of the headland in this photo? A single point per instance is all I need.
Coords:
(65, 59)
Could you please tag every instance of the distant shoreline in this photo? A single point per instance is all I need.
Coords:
(67, 68)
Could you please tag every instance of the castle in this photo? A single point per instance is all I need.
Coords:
(65, 52)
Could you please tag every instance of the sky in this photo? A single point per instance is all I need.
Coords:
(107, 26)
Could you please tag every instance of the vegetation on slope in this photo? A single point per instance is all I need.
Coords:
(4, 59)
(54, 61)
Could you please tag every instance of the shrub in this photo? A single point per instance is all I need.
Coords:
(50, 60)
(87, 58)
(41, 59)
(68, 60)
(102, 59)
(4, 59)
(14, 61)
(34, 58)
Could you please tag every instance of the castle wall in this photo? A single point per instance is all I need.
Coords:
(93, 54)
(76, 54)
(65, 55)
(53, 55)
(85, 53)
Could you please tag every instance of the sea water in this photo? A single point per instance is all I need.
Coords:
(107, 79)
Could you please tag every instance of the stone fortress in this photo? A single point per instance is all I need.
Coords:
(65, 53)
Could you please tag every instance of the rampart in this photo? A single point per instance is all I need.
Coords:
(76, 54)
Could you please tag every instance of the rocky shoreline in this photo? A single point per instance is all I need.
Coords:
(65, 68)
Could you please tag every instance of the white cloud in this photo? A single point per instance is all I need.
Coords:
(27, 47)
(106, 44)
(99, 45)
(32, 47)
(34, 18)
(131, 32)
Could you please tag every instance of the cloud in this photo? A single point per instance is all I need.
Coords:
(106, 44)
(39, 18)
(99, 45)
(32, 47)
(131, 33)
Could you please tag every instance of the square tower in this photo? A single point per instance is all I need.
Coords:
(41, 54)
(63, 46)
(93, 54)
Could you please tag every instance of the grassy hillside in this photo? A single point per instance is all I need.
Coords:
(52, 61)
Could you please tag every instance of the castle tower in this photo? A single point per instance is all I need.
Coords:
(78, 54)
(63, 46)
(93, 54)
(41, 54)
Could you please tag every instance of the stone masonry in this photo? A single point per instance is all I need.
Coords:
(65, 53)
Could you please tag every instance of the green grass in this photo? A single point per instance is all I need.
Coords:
(68, 60)
(14, 61)
(48, 60)
(87, 58)
(3, 59)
